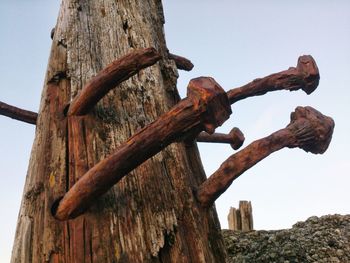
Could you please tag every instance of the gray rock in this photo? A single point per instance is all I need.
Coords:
(325, 239)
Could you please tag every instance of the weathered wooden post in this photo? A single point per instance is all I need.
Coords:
(110, 179)
(149, 216)
(246, 210)
(241, 218)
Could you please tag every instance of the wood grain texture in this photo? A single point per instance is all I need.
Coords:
(309, 130)
(151, 215)
(17, 113)
(235, 138)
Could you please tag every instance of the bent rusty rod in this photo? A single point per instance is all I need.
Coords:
(304, 76)
(309, 130)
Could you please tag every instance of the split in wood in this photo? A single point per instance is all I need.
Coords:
(309, 130)
(205, 108)
(305, 76)
(107, 79)
(181, 62)
(235, 138)
(17, 113)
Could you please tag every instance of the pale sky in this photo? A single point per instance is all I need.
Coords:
(234, 42)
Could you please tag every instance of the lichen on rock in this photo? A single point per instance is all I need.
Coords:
(323, 239)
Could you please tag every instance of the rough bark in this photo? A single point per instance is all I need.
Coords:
(151, 215)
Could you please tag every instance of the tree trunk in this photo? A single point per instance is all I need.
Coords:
(151, 215)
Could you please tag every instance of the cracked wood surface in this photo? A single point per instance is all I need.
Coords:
(151, 215)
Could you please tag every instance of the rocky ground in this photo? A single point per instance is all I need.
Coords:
(324, 240)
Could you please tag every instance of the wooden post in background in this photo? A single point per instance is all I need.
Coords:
(241, 218)
(234, 219)
(245, 207)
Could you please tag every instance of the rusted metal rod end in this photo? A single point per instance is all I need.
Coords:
(181, 62)
(111, 76)
(210, 96)
(308, 67)
(18, 114)
(312, 130)
(235, 138)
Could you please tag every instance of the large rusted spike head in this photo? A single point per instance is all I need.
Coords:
(312, 130)
(207, 94)
(307, 66)
(237, 137)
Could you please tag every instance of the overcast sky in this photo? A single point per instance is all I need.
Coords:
(234, 42)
